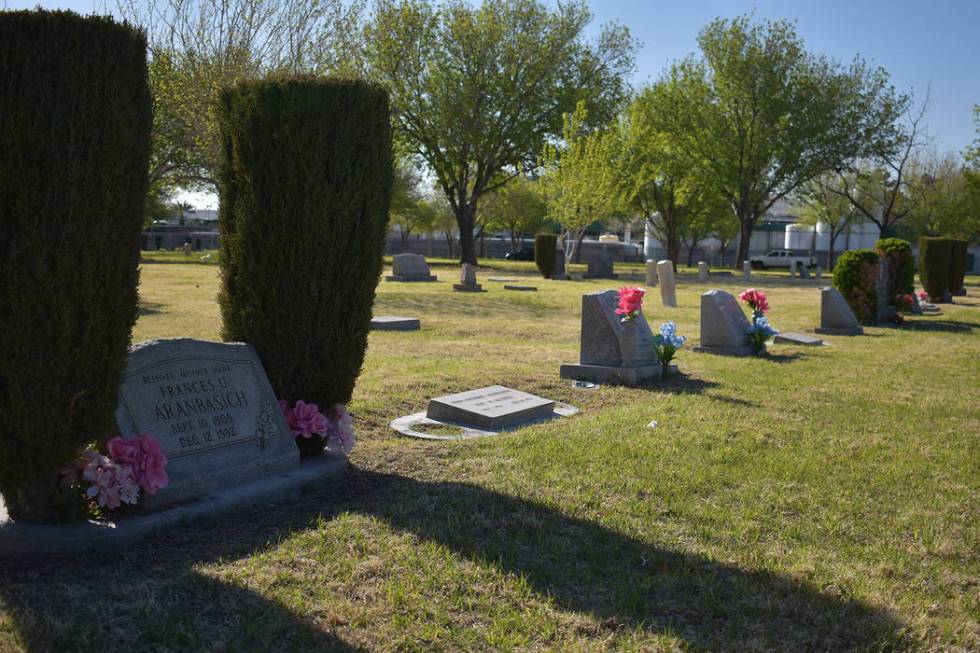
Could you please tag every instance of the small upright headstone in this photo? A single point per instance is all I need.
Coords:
(804, 271)
(702, 272)
(836, 316)
(668, 292)
(601, 266)
(612, 351)
(467, 281)
(818, 273)
(651, 270)
(410, 267)
(724, 327)
(746, 271)
(211, 408)
(559, 272)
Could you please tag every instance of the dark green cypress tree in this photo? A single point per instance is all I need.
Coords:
(75, 117)
(545, 254)
(305, 185)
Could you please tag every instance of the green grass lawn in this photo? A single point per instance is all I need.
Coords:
(818, 499)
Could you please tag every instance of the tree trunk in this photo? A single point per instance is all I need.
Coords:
(746, 222)
(466, 221)
(721, 252)
(577, 247)
(690, 253)
(513, 241)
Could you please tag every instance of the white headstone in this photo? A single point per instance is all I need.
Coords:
(668, 292)
(746, 271)
(702, 272)
(651, 269)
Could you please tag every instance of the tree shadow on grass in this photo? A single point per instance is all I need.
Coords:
(149, 308)
(155, 597)
(783, 358)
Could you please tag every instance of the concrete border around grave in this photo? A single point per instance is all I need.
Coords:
(26, 540)
(395, 323)
(405, 424)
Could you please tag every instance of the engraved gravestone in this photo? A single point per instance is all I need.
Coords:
(724, 327)
(886, 309)
(612, 351)
(410, 267)
(492, 408)
(836, 316)
(211, 408)
(668, 292)
(746, 271)
(702, 272)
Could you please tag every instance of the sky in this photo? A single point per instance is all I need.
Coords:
(927, 45)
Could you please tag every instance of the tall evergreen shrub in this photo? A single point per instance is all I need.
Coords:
(934, 265)
(957, 264)
(545, 253)
(305, 184)
(901, 266)
(855, 276)
(75, 117)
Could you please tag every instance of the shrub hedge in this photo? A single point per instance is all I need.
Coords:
(545, 253)
(901, 266)
(957, 264)
(934, 265)
(75, 116)
(855, 276)
(305, 185)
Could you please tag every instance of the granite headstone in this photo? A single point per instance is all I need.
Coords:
(612, 351)
(836, 316)
(746, 271)
(724, 327)
(702, 272)
(601, 266)
(410, 267)
(213, 411)
(651, 273)
(492, 408)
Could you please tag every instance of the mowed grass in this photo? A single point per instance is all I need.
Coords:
(818, 499)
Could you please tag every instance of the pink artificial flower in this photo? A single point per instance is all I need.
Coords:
(923, 296)
(305, 420)
(284, 408)
(630, 302)
(147, 460)
(756, 299)
(340, 430)
(110, 483)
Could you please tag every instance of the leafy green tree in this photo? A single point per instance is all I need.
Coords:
(942, 204)
(580, 182)
(821, 201)
(671, 190)
(763, 116)
(518, 208)
(476, 91)
(198, 47)
(410, 210)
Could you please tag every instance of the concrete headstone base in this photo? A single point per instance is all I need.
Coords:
(395, 323)
(26, 540)
(628, 376)
(462, 287)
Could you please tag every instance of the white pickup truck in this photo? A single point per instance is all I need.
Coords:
(782, 258)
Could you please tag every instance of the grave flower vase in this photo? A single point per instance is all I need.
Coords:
(311, 446)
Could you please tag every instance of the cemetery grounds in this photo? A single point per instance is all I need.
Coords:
(817, 499)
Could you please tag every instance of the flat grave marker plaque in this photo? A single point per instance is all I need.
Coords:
(492, 408)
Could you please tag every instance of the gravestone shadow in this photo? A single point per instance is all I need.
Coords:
(581, 566)
(783, 358)
(940, 326)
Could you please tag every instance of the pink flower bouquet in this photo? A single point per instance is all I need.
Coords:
(132, 464)
(313, 430)
(630, 303)
(756, 299)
